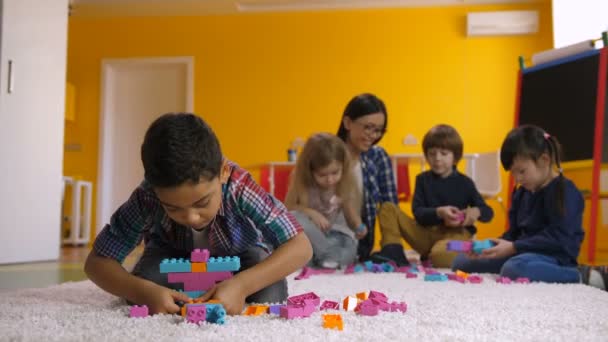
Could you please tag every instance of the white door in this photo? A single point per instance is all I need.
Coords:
(134, 93)
(33, 38)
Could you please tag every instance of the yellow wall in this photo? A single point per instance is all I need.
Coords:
(263, 79)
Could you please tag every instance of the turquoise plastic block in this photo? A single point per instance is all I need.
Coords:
(221, 264)
(175, 266)
(479, 246)
(436, 277)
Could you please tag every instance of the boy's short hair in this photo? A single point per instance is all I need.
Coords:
(180, 147)
(443, 136)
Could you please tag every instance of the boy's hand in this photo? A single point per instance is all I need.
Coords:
(320, 220)
(471, 215)
(230, 294)
(451, 215)
(502, 249)
(161, 300)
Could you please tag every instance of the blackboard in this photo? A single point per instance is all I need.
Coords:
(562, 99)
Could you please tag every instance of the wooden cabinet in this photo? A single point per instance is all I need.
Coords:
(33, 42)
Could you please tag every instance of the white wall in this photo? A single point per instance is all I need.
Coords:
(577, 20)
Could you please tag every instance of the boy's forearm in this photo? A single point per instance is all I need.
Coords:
(285, 260)
(110, 276)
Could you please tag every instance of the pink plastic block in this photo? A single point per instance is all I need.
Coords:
(367, 308)
(503, 280)
(426, 263)
(454, 277)
(475, 279)
(290, 312)
(411, 275)
(378, 296)
(304, 274)
(522, 280)
(350, 269)
(139, 311)
(198, 281)
(430, 271)
(382, 305)
(199, 255)
(402, 269)
(398, 306)
(299, 300)
(196, 313)
(328, 304)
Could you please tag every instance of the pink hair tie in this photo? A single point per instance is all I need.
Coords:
(547, 136)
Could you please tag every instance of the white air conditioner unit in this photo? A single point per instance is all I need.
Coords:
(502, 23)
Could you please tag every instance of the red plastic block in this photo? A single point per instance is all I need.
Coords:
(139, 311)
(295, 300)
(199, 255)
(378, 296)
(328, 304)
(475, 279)
(196, 313)
(333, 322)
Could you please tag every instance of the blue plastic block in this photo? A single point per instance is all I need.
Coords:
(369, 265)
(479, 246)
(193, 294)
(388, 267)
(175, 266)
(275, 309)
(436, 277)
(221, 264)
(358, 268)
(216, 314)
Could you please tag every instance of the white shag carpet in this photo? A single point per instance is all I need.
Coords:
(437, 311)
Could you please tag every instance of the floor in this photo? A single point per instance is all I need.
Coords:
(69, 267)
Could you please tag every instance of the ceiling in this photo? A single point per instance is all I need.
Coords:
(96, 8)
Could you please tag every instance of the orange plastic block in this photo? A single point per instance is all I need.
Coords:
(460, 273)
(256, 310)
(333, 321)
(199, 267)
(349, 303)
(362, 295)
(213, 301)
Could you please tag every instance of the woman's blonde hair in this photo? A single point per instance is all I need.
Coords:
(320, 150)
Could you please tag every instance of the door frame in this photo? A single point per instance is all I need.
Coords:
(104, 160)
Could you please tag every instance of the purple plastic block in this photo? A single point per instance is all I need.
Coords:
(377, 296)
(196, 313)
(459, 246)
(398, 306)
(139, 311)
(411, 275)
(275, 309)
(199, 255)
(475, 279)
(377, 268)
(328, 304)
(299, 299)
(367, 308)
(522, 280)
(454, 277)
(503, 280)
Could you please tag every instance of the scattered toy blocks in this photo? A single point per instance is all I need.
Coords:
(362, 295)
(398, 306)
(175, 265)
(522, 280)
(455, 277)
(378, 296)
(475, 279)
(436, 277)
(349, 303)
(503, 280)
(299, 299)
(460, 273)
(139, 311)
(333, 322)
(459, 246)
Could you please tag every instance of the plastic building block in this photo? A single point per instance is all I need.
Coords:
(398, 306)
(196, 313)
(350, 269)
(369, 266)
(328, 304)
(381, 304)
(430, 271)
(426, 263)
(175, 265)
(387, 267)
(307, 272)
(216, 314)
(460, 273)
(367, 308)
(199, 267)
(275, 309)
(199, 255)
(475, 279)
(522, 280)
(193, 294)
(459, 246)
(378, 296)
(223, 264)
(362, 295)
(359, 268)
(139, 311)
(402, 269)
(479, 246)
(290, 312)
(349, 303)
(198, 281)
(503, 280)
(256, 310)
(455, 277)
(436, 277)
(299, 300)
(411, 275)
(377, 268)
(333, 322)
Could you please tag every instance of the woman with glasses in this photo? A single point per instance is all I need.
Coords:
(362, 126)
